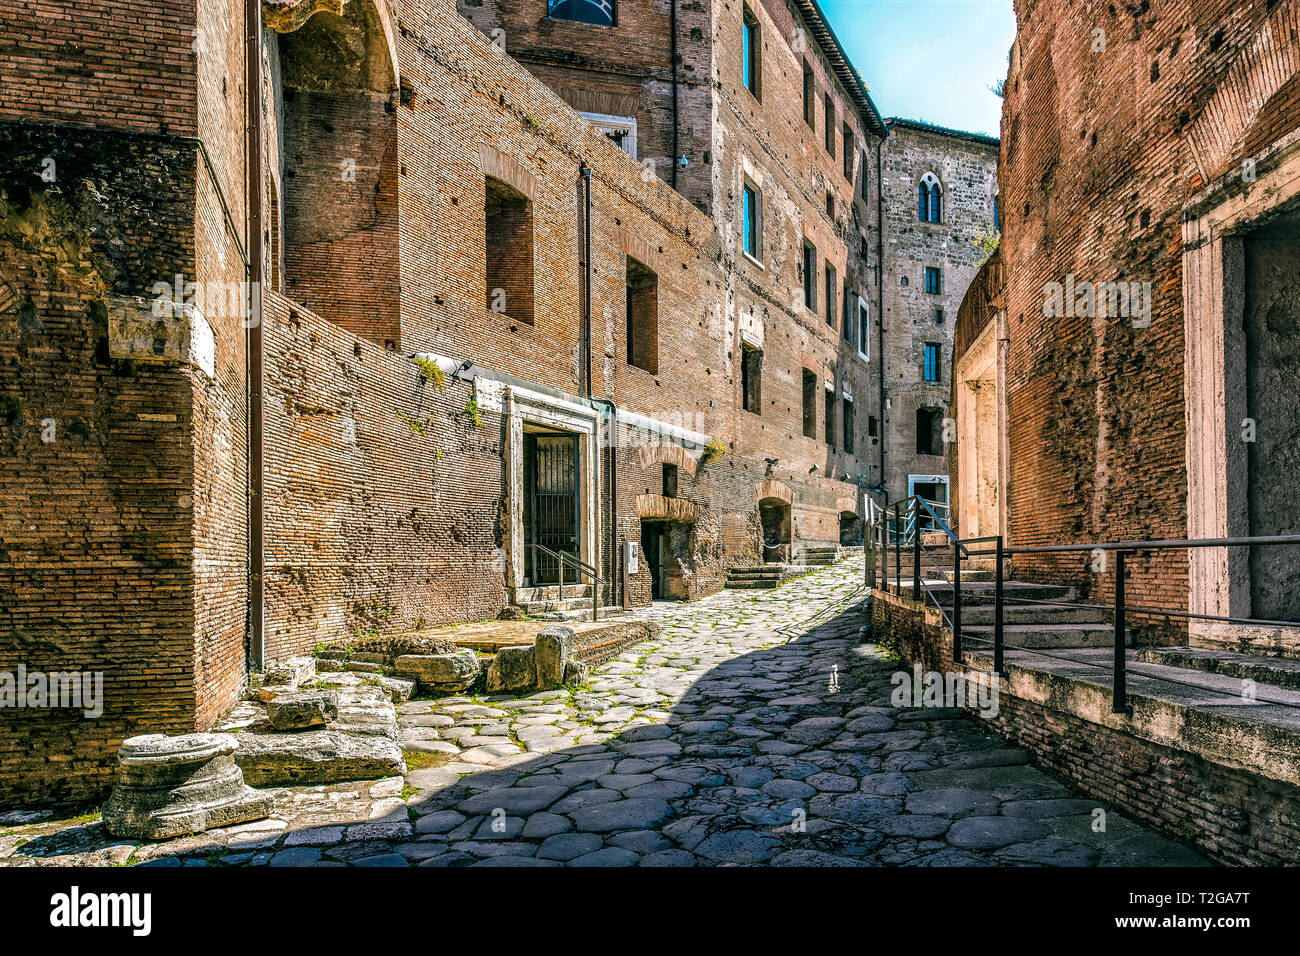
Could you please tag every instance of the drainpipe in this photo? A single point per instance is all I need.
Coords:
(585, 170)
(880, 289)
(616, 557)
(253, 335)
(672, 21)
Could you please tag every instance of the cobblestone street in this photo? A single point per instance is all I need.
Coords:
(719, 742)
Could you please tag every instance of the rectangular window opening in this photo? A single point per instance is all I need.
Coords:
(508, 231)
(642, 317)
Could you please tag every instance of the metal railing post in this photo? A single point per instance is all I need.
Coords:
(997, 612)
(916, 550)
(560, 562)
(898, 551)
(1119, 703)
(956, 602)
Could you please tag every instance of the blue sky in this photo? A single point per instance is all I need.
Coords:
(931, 60)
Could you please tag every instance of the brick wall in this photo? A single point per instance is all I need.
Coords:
(383, 498)
(1101, 148)
(1233, 816)
(96, 525)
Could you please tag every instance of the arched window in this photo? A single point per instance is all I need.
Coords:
(597, 12)
(929, 199)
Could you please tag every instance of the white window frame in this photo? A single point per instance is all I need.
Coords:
(607, 124)
(863, 307)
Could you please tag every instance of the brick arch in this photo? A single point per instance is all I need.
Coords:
(771, 488)
(373, 16)
(1265, 64)
(670, 509)
(667, 455)
(846, 505)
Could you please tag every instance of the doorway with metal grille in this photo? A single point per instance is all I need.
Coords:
(551, 515)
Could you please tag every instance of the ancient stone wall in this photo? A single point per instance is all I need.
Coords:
(965, 167)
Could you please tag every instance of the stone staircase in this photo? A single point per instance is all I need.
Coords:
(547, 603)
(818, 557)
(1027, 626)
(764, 577)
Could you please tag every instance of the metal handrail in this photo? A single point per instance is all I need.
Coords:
(580, 566)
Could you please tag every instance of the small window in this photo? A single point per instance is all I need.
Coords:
(751, 378)
(750, 52)
(938, 316)
(848, 426)
(847, 324)
(809, 275)
(830, 417)
(849, 152)
(597, 12)
(830, 206)
(670, 481)
(642, 317)
(997, 215)
(809, 404)
(832, 299)
(864, 330)
(929, 199)
(508, 235)
(931, 366)
(873, 427)
(830, 124)
(928, 439)
(864, 185)
(809, 96)
(752, 220)
(933, 280)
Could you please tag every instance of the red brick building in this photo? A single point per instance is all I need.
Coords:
(1148, 177)
(479, 329)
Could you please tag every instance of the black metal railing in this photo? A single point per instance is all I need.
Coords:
(580, 567)
(891, 526)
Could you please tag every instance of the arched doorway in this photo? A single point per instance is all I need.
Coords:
(336, 112)
(774, 515)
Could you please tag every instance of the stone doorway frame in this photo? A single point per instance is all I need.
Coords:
(1215, 224)
(984, 360)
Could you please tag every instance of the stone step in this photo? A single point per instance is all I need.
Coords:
(549, 592)
(981, 592)
(574, 614)
(1032, 614)
(1041, 636)
(1274, 671)
(753, 584)
(768, 571)
(536, 608)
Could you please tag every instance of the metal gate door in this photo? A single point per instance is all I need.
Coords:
(554, 504)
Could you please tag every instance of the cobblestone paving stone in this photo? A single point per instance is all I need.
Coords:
(720, 742)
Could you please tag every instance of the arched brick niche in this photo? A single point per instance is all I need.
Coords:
(771, 488)
(667, 455)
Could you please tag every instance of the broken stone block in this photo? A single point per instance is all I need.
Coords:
(286, 675)
(366, 710)
(514, 668)
(576, 673)
(440, 673)
(176, 786)
(301, 709)
(316, 756)
(398, 690)
(553, 649)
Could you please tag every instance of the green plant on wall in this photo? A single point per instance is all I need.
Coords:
(714, 449)
(987, 243)
(417, 425)
(471, 409)
(432, 372)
